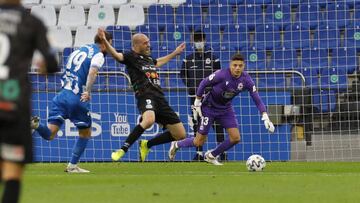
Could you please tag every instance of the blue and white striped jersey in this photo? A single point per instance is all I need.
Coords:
(77, 68)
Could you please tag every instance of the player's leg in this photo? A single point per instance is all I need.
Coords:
(147, 120)
(11, 176)
(220, 137)
(81, 117)
(147, 105)
(56, 118)
(196, 141)
(15, 151)
(199, 150)
(78, 150)
(166, 116)
(200, 138)
(228, 121)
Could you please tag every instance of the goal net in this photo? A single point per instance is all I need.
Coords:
(302, 55)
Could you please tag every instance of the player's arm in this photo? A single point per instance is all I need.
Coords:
(209, 81)
(163, 60)
(96, 63)
(183, 72)
(217, 64)
(261, 107)
(49, 63)
(110, 49)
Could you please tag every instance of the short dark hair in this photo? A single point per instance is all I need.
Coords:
(237, 57)
(107, 35)
(199, 36)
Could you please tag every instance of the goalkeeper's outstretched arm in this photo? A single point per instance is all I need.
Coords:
(110, 49)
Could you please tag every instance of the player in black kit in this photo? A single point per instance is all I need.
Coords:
(151, 101)
(20, 34)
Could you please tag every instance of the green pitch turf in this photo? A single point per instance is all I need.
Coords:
(193, 182)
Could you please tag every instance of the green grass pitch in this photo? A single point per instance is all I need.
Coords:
(193, 182)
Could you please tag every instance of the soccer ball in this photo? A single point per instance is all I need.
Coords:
(255, 163)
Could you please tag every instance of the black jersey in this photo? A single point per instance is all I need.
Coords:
(142, 72)
(20, 34)
(197, 66)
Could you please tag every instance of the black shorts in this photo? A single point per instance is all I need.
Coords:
(16, 141)
(156, 102)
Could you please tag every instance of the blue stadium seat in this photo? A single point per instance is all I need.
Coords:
(308, 15)
(111, 64)
(314, 58)
(311, 77)
(352, 37)
(201, 2)
(337, 15)
(255, 59)
(272, 80)
(174, 81)
(345, 58)
(225, 55)
(189, 16)
(326, 37)
(231, 2)
(101, 83)
(296, 37)
(288, 2)
(278, 14)
(258, 1)
(321, 3)
(334, 78)
(283, 60)
(220, 15)
(176, 33)
(160, 15)
(249, 15)
(117, 83)
(352, 3)
(267, 37)
(324, 100)
(236, 37)
(357, 15)
(121, 37)
(212, 34)
(152, 31)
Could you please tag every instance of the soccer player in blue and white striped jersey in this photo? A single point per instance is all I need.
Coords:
(72, 102)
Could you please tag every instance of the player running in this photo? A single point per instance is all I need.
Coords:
(72, 102)
(20, 34)
(151, 101)
(216, 105)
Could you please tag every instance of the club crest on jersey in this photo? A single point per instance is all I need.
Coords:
(240, 86)
(208, 61)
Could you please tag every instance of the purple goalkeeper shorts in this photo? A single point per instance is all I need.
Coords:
(226, 118)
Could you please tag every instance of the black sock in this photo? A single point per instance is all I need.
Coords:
(11, 191)
(163, 138)
(134, 135)
(199, 149)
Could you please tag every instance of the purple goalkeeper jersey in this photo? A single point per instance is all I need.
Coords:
(224, 87)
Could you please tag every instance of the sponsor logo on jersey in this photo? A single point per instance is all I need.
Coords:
(240, 86)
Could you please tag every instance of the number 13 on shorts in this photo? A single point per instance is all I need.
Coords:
(204, 123)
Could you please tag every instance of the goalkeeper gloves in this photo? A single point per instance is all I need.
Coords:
(268, 124)
(196, 108)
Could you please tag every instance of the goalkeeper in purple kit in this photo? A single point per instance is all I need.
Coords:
(216, 105)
